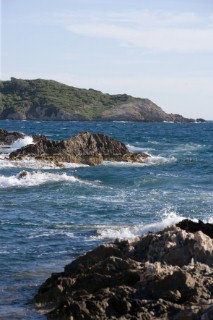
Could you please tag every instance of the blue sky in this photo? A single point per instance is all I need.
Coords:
(161, 50)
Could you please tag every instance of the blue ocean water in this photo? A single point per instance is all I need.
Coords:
(54, 214)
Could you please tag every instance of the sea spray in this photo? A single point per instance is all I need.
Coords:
(36, 178)
(151, 161)
(130, 232)
(22, 142)
(29, 179)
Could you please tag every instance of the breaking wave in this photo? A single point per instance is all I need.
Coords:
(131, 232)
(29, 179)
(152, 161)
(22, 142)
(31, 163)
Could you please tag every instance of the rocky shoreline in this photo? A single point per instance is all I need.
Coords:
(164, 275)
(84, 148)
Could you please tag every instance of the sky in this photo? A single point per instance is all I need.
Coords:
(157, 49)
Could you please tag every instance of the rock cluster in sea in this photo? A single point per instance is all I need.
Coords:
(6, 138)
(86, 148)
(164, 275)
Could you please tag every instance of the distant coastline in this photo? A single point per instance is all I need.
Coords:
(48, 100)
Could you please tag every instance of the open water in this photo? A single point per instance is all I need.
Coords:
(51, 216)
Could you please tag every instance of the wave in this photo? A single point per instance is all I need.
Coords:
(209, 220)
(188, 147)
(22, 142)
(51, 233)
(17, 144)
(118, 121)
(31, 163)
(152, 161)
(157, 160)
(134, 148)
(36, 178)
(131, 232)
(29, 179)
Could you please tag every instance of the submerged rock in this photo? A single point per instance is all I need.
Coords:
(7, 138)
(23, 174)
(167, 275)
(86, 148)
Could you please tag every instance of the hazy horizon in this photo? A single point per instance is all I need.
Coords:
(160, 51)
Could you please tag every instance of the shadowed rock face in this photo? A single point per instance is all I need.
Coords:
(85, 147)
(190, 226)
(167, 275)
(6, 138)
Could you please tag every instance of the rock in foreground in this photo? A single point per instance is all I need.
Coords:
(86, 148)
(167, 275)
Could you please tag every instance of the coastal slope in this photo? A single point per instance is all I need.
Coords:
(50, 100)
(164, 275)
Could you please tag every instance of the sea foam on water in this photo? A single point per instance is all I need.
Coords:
(130, 232)
(29, 179)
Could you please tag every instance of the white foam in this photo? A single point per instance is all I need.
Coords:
(188, 147)
(134, 148)
(121, 121)
(210, 220)
(31, 163)
(34, 179)
(157, 160)
(47, 234)
(152, 161)
(131, 232)
(37, 178)
(22, 142)
(73, 165)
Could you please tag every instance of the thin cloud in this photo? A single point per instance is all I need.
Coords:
(177, 40)
(155, 32)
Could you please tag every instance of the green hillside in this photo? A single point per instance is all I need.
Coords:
(24, 95)
(50, 100)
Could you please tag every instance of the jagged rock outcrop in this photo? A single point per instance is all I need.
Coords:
(87, 148)
(6, 138)
(167, 275)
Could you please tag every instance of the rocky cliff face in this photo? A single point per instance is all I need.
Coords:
(50, 100)
(167, 275)
(85, 147)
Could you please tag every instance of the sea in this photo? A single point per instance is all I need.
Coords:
(55, 214)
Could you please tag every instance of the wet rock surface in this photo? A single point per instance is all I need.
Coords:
(167, 275)
(6, 137)
(86, 148)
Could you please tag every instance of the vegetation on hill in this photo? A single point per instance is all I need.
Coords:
(28, 94)
(51, 100)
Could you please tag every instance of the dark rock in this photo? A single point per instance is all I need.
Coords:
(6, 138)
(134, 280)
(87, 148)
(191, 226)
(38, 138)
(200, 120)
(12, 114)
(22, 174)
